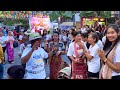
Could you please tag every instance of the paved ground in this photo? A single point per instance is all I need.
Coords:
(17, 62)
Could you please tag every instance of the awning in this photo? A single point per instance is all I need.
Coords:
(67, 24)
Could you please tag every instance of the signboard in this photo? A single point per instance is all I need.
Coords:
(39, 23)
(77, 17)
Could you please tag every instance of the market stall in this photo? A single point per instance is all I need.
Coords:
(91, 21)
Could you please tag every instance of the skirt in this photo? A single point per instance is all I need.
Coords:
(79, 70)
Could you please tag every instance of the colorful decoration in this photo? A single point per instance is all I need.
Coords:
(39, 22)
(17, 14)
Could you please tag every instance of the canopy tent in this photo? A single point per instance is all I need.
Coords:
(67, 24)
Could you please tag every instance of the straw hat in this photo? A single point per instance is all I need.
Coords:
(28, 32)
(34, 36)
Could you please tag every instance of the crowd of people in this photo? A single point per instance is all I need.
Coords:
(92, 51)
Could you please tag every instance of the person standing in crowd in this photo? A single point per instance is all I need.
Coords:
(50, 36)
(25, 40)
(104, 38)
(1, 62)
(99, 42)
(3, 43)
(87, 27)
(15, 33)
(16, 72)
(85, 39)
(9, 47)
(103, 29)
(99, 28)
(33, 56)
(83, 29)
(55, 60)
(110, 56)
(64, 39)
(71, 38)
(4, 31)
(93, 60)
(20, 37)
(75, 53)
(45, 37)
(61, 35)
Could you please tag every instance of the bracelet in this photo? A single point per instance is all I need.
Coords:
(105, 60)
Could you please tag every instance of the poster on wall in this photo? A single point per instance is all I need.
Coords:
(39, 23)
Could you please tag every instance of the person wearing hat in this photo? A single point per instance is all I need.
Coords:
(65, 73)
(28, 32)
(33, 56)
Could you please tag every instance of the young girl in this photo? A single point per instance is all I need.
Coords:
(75, 53)
(9, 46)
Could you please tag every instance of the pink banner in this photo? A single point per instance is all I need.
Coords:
(39, 23)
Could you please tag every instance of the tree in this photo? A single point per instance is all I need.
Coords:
(63, 14)
(87, 13)
(104, 14)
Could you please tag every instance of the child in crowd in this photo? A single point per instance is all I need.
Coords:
(16, 72)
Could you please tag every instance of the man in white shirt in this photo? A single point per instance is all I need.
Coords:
(33, 57)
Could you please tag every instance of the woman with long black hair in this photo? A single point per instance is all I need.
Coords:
(110, 56)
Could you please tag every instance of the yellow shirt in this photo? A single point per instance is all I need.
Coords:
(1, 54)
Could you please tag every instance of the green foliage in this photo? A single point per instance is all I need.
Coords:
(104, 14)
(55, 14)
(11, 22)
(86, 13)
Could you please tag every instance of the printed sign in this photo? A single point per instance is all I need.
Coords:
(39, 23)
